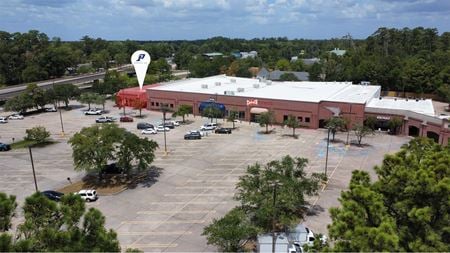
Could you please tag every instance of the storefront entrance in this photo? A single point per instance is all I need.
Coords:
(255, 112)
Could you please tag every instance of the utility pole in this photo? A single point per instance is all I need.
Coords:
(274, 184)
(32, 166)
(326, 159)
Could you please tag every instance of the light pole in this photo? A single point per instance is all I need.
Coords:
(350, 118)
(32, 167)
(275, 185)
(164, 110)
(326, 159)
(61, 120)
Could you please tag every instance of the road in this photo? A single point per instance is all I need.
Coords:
(11, 91)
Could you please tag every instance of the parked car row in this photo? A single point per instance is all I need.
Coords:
(15, 116)
(148, 128)
(86, 195)
(198, 134)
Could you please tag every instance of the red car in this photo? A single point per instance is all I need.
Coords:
(126, 119)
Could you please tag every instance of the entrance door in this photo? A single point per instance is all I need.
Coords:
(413, 131)
(433, 135)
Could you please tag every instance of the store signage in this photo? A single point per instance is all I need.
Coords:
(383, 117)
(252, 102)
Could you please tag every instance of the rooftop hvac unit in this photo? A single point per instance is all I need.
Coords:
(229, 92)
(204, 86)
(232, 80)
(240, 89)
(218, 84)
(256, 85)
(269, 82)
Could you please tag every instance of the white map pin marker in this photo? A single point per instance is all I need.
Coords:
(140, 60)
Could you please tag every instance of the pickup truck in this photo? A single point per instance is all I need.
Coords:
(105, 119)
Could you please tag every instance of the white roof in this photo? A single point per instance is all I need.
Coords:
(413, 105)
(294, 91)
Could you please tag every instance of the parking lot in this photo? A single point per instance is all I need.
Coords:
(197, 177)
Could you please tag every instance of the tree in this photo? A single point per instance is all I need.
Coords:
(7, 211)
(335, 124)
(56, 227)
(230, 231)
(65, 92)
(138, 104)
(266, 119)
(212, 111)
(406, 209)
(94, 146)
(37, 134)
(182, 111)
(288, 77)
(135, 152)
(361, 131)
(36, 94)
(100, 100)
(232, 116)
(293, 123)
(362, 223)
(370, 122)
(20, 103)
(88, 98)
(256, 187)
(394, 125)
(283, 65)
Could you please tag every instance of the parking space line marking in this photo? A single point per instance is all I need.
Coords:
(175, 211)
(203, 187)
(153, 245)
(136, 222)
(199, 194)
(154, 233)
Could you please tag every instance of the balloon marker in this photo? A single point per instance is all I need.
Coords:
(140, 60)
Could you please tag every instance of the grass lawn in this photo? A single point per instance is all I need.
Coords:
(25, 143)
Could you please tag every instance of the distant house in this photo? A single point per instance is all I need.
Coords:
(276, 74)
(338, 52)
(251, 54)
(212, 55)
(311, 61)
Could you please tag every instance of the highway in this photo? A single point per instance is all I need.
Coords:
(14, 90)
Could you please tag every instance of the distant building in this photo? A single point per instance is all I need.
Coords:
(311, 61)
(212, 55)
(276, 74)
(251, 54)
(294, 58)
(338, 52)
(170, 61)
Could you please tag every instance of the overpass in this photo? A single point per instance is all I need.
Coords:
(81, 80)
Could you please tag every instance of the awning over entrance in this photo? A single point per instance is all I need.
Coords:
(258, 110)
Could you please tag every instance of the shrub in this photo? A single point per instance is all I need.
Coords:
(38, 134)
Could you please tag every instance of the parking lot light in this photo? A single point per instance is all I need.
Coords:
(32, 167)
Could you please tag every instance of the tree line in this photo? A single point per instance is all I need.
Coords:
(410, 60)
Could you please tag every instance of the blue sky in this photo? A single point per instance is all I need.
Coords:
(198, 19)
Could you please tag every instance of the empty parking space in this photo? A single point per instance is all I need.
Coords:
(198, 177)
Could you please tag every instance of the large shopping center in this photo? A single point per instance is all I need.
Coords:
(311, 102)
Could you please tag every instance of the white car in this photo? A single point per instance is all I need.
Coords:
(93, 112)
(52, 109)
(149, 131)
(175, 122)
(162, 129)
(3, 120)
(208, 126)
(15, 116)
(88, 195)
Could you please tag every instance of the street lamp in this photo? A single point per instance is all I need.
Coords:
(326, 159)
(164, 110)
(32, 167)
(275, 185)
(59, 109)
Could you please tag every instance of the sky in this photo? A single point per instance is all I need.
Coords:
(200, 19)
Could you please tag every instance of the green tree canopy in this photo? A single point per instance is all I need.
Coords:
(265, 119)
(406, 209)
(335, 124)
(183, 110)
(293, 123)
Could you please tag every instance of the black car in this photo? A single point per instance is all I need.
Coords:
(53, 195)
(223, 130)
(170, 125)
(192, 136)
(4, 147)
(144, 125)
(111, 169)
